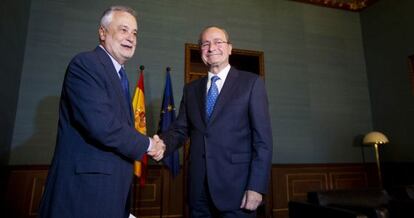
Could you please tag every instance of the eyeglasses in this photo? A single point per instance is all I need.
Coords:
(217, 43)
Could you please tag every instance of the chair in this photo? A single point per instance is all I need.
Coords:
(358, 203)
(402, 201)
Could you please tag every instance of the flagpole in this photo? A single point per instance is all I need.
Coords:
(144, 164)
(171, 162)
(138, 181)
(162, 167)
(162, 191)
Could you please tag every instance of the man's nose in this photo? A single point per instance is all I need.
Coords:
(131, 37)
(212, 46)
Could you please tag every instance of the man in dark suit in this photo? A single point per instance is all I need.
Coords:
(226, 117)
(92, 168)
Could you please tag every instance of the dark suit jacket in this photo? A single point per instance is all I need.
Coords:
(233, 149)
(92, 167)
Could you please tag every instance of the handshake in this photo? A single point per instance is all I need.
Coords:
(157, 149)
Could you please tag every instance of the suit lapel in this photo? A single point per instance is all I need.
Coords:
(201, 98)
(114, 80)
(225, 93)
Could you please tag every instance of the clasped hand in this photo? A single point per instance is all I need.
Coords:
(158, 148)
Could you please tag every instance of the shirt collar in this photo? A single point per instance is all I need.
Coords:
(222, 74)
(114, 62)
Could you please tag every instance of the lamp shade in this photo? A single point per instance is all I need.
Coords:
(375, 138)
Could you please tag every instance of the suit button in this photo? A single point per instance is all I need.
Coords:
(203, 156)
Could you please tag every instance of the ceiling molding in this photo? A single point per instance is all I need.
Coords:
(350, 5)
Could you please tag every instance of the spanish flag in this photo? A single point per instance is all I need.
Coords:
(138, 105)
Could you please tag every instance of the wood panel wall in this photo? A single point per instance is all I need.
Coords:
(294, 181)
(162, 196)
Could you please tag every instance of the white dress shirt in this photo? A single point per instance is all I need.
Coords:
(222, 75)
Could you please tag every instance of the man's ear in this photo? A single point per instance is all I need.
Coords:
(230, 48)
(101, 33)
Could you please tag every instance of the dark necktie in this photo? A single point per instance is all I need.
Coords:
(212, 95)
(125, 85)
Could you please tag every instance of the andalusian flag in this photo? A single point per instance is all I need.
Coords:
(138, 105)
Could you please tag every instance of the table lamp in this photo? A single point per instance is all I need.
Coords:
(376, 138)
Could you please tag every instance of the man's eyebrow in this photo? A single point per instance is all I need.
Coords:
(127, 27)
(123, 25)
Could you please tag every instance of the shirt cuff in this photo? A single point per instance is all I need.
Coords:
(150, 144)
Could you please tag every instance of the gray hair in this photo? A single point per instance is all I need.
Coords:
(107, 15)
(209, 27)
